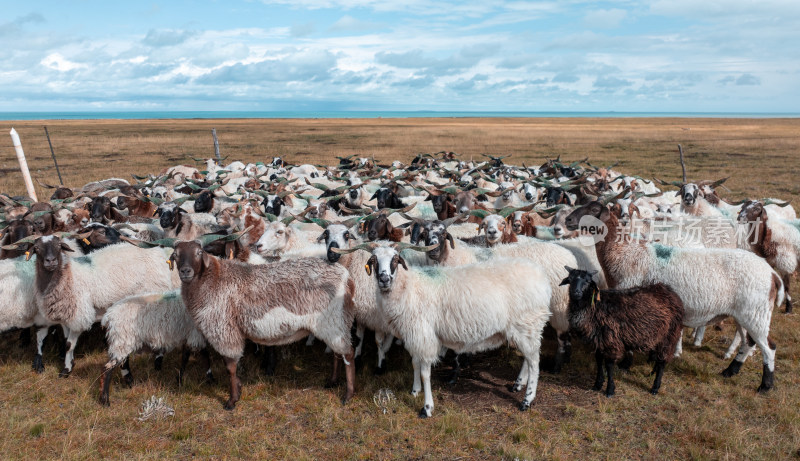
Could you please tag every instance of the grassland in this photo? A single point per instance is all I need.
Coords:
(698, 415)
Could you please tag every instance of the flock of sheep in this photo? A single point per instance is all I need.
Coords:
(437, 254)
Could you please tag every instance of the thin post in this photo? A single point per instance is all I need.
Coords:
(216, 144)
(23, 165)
(683, 165)
(53, 153)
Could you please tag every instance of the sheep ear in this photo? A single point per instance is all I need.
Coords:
(569, 269)
(323, 236)
(65, 247)
(564, 282)
(206, 259)
(402, 262)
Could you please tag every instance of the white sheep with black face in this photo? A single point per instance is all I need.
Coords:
(469, 308)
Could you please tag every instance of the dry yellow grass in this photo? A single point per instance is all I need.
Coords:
(698, 414)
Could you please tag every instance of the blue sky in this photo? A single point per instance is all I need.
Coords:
(664, 55)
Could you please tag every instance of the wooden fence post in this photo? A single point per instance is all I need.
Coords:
(53, 153)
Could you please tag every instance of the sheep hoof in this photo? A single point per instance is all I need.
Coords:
(414, 393)
(380, 370)
(104, 401)
(210, 378)
(425, 412)
(64, 373)
(763, 389)
(229, 405)
(732, 369)
(654, 391)
(524, 406)
(38, 366)
(158, 363)
(610, 394)
(128, 381)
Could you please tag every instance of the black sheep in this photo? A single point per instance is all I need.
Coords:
(645, 319)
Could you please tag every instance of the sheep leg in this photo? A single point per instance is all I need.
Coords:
(310, 340)
(159, 360)
(206, 354)
(269, 360)
(236, 384)
(126, 372)
(359, 339)
(333, 381)
(425, 374)
(786, 279)
(611, 387)
(69, 358)
(24, 338)
(658, 369)
(417, 386)
(768, 351)
(384, 342)
(561, 351)
(350, 376)
(679, 346)
(737, 340)
(456, 370)
(600, 378)
(41, 334)
(699, 332)
(532, 361)
(744, 351)
(185, 353)
(105, 381)
(521, 378)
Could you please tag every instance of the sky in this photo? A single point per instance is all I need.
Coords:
(318, 55)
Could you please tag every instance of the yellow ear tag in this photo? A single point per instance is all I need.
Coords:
(86, 241)
(368, 269)
(169, 262)
(28, 256)
(478, 228)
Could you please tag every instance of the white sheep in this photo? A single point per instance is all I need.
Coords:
(468, 309)
(75, 292)
(713, 283)
(158, 321)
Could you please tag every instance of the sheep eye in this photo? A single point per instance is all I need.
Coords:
(346, 235)
(279, 232)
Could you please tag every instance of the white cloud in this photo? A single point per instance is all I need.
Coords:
(60, 63)
(604, 19)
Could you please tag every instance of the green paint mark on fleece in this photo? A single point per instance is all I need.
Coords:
(432, 272)
(663, 252)
(170, 295)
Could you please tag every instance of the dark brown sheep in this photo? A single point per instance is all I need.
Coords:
(645, 319)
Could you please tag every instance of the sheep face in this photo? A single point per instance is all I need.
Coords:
(189, 260)
(335, 236)
(595, 209)
(354, 198)
(439, 202)
(465, 201)
(100, 208)
(752, 210)
(387, 198)
(579, 282)
(274, 239)
(384, 263)
(530, 192)
(169, 215)
(48, 251)
(379, 228)
(689, 193)
(204, 202)
(559, 224)
(124, 202)
(18, 229)
(273, 204)
(494, 226)
(435, 233)
(99, 236)
(556, 196)
(61, 193)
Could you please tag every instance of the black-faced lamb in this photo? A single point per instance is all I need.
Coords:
(644, 319)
